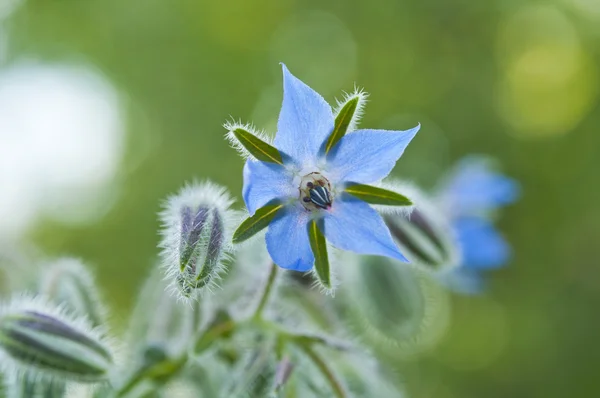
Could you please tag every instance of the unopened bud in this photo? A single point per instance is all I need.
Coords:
(68, 282)
(398, 308)
(424, 235)
(37, 337)
(31, 386)
(196, 236)
(285, 367)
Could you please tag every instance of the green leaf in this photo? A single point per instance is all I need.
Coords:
(377, 196)
(259, 221)
(319, 249)
(257, 147)
(342, 121)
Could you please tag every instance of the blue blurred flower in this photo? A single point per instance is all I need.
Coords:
(470, 197)
(311, 181)
(474, 188)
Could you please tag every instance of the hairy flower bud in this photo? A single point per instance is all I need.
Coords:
(40, 338)
(397, 308)
(68, 282)
(196, 236)
(31, 386)
(424, 235)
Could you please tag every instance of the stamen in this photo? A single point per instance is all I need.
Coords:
(320, 197)
(315, 192)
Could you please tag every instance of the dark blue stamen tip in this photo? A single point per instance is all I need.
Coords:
(306, 199)
(309, 184)
(320, 197)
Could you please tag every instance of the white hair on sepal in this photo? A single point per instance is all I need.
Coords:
(217, 202)
(360, 106)
(405, 188)
(15, 369)
(232, 125)
(333, 254)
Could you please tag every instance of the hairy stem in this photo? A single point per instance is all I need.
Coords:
(266, 293)
(213, 334)
(162, 371)
(334, 383)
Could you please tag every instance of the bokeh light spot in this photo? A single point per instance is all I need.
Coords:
(62, 141)
(548, 81)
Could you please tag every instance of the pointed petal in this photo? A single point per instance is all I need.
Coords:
(353, 225)
(287, 240)
(365, 156)
(475, 187)
(305, 120)
(264, 182)
(481, 245)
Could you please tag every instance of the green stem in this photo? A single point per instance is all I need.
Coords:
(213, 334)
(167, 370)
(335, 385)
(266, 293)
(162, 371)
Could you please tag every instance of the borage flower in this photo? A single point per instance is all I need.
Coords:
(309, 184)
(470, 197)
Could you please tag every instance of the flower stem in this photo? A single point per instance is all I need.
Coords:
(213, 334)
(266, 293)
(334, 383)
(163, 371)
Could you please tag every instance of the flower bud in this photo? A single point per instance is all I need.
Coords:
(67, 282)
(396, 308)
(31, 386)
(196, 237)
(424, 235)
(285, 367)
(37, 337)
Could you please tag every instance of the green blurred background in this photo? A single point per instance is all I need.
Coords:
(517, 80)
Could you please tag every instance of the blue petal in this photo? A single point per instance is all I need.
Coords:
(305, 120)
(481, 245)
(287, 240)
(474, 188)
(365, 156)
(264, 182)
(353, 225)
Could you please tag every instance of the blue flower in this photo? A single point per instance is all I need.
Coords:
(312, 176)
(470, 197)
(474, 188)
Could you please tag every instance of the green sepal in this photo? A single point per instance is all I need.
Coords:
(256, 223)
(342, 122)
(377, 196)
(257, 147)
(319, 249)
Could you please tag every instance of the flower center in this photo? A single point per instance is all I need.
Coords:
(315, 192)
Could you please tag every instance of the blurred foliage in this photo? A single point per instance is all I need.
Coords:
(513, 79)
